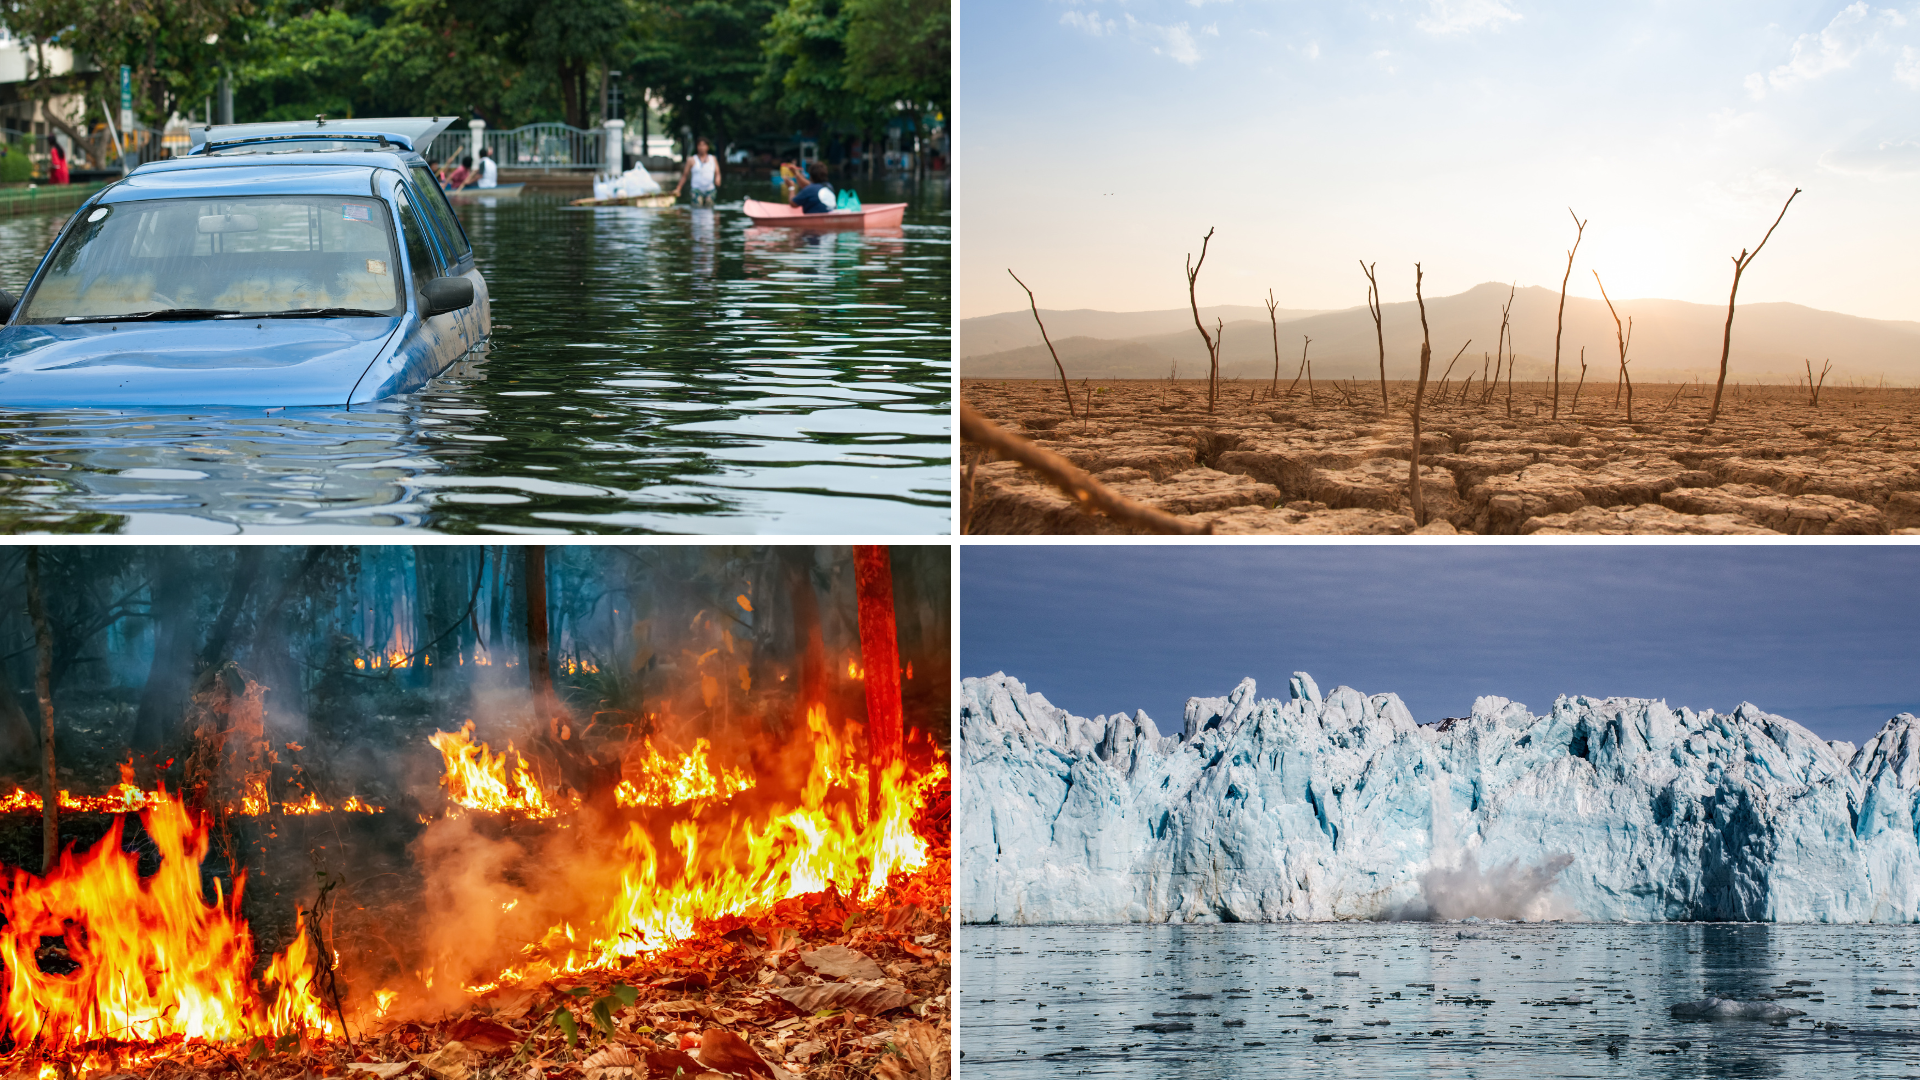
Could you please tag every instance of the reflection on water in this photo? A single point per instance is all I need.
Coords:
(1435, 1000)
(652, 370)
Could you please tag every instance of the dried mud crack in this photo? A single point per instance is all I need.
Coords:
(1335, 462)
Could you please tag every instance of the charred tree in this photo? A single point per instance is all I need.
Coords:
(1740, 264)
(1560, 319)
(43, 689)
(246, 568)
(1064, 389)
(1213, 344)
(880, 659)
(1379, 336)
(538, 672)
(806, 626)
(163, 702)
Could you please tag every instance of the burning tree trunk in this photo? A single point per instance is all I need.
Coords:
(537, 671)
(1379, 336)
(880, 658)
(1561, 318)
(1740, 263)
(43, 688)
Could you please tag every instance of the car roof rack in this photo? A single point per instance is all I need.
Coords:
(407, 132)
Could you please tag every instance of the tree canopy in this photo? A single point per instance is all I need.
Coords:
(729, 70)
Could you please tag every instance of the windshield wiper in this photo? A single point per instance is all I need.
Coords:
(323, 313)
(154, 316)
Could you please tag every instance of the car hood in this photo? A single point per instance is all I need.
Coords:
(267, 363)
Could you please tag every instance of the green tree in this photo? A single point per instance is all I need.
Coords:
(900, 51)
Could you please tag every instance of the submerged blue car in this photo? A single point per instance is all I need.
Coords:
(284, 264)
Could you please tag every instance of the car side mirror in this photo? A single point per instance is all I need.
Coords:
(7, 303)
(444, 294)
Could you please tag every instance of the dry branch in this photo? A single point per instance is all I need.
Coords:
(1373, 305)
(1740, 263)
(1623, 337)
(1560, 319)
(1213, 345)
(1088, 493)
(1043, 337)
(1271, 305)
(1426, 358)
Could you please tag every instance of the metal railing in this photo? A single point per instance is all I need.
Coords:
(545, 147)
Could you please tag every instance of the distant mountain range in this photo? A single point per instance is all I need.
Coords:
(1673, 340)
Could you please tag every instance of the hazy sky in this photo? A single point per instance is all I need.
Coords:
(1101, 139)
(1824, 635)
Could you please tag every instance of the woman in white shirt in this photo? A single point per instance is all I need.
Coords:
(701, 173)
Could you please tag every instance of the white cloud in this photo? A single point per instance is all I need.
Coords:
(1174, 42)
(1856, 29)
(1087, 21)
(1211, 30)
(1466, 16)
(1907, 69)
(1891, 159)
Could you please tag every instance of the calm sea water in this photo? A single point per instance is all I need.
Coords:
(652, 371)
(1435, 1000)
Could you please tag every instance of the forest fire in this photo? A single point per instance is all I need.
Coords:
(692, 825)
(675, 781)
(96, 954)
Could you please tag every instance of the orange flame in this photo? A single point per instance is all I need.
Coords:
(748, 862)
(478, 779)
(675, 781)
(153, 960)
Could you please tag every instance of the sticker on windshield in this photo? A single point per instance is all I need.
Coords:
(376, 266)
(351, 212)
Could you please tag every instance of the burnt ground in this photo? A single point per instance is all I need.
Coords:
(1336, 462)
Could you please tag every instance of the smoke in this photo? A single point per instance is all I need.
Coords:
(1455, 886)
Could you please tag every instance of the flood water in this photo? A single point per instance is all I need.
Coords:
(651, 371)
(1435, 1000)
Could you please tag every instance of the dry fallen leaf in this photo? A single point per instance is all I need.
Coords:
(483, 1035)
(840, 962)
(872, 1000)
(724, 1051)
(920, 1053)
(386, 1070)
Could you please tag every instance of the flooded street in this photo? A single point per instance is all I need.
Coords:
(670, 371)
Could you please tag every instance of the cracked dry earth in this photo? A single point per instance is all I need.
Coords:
(1771, 464)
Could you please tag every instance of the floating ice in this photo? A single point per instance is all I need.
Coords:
(1340, 806)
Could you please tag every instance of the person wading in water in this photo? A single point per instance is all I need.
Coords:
(701, 173)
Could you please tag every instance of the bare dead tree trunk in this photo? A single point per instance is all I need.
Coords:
(1043, 337)
(1505, 343)
(43, 687)
(1813, 389)
(1559, 320)
(1442, 392)
(1379, 337)
(1303, 367)
(1571, 409)
(880, 657)
(1308, 364)
(1213, 346)
(1623, 337)
(1740, 263)
(1272, 318)
(1426, 357)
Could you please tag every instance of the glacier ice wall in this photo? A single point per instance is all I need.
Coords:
(1341, 806)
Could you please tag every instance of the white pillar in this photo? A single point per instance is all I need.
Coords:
(479, 129)
(614, 156)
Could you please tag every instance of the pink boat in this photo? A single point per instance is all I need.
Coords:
(871, 216)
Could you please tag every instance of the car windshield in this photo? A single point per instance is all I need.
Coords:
(222, 257)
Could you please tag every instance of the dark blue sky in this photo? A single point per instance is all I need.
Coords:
(1827, 635)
